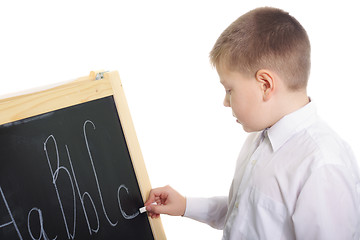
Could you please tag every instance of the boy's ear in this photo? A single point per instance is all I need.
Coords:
(266, 79)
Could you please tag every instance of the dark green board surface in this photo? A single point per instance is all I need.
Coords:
(67, 174)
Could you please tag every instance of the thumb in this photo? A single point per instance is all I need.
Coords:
(158, 209)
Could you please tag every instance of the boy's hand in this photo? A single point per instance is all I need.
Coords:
(168, 201)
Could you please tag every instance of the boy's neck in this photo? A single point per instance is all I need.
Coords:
(295, 101)
(289, 103)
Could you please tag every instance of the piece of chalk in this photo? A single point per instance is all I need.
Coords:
(142, 210)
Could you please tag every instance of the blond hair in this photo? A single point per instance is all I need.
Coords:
(265, 38)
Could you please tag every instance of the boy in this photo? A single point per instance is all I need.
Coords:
(295, 178)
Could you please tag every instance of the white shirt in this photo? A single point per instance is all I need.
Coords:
(295, 180)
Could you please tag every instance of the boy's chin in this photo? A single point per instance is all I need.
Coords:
(248, 129)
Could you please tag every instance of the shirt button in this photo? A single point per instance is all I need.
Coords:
(237, 204)
(253, 162)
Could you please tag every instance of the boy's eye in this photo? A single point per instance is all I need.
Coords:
(228, 91)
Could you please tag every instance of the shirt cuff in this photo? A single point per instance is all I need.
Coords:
(207, 210)
(196, 207)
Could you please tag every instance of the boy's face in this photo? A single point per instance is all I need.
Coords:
(244, 96)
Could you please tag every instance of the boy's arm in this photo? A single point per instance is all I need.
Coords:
(168, 201)
(328, 205)
(211, 211)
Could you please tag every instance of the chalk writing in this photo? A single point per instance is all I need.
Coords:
(42, 231)
(36, 224)
(96, 178)
(82, 198)
(10, 215)
(55, 175)
(125, 215)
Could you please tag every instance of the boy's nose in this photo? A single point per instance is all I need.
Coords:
(227, 101)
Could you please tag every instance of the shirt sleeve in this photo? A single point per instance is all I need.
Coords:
(328, 205)
(211, 211)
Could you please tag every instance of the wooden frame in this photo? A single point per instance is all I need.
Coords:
(82, 90)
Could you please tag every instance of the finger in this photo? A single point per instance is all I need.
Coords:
(153, 215)
(158, 209)
(152, 197)
(150, 200)
(157, 195)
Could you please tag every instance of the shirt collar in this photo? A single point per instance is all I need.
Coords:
(290, 124)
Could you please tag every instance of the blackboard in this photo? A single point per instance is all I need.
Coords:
(69, 174)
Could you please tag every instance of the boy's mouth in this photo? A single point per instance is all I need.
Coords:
(237, 120)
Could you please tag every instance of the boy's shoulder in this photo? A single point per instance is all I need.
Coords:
(308, 141)
(328, 146)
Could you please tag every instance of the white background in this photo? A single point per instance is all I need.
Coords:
(160, 48)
